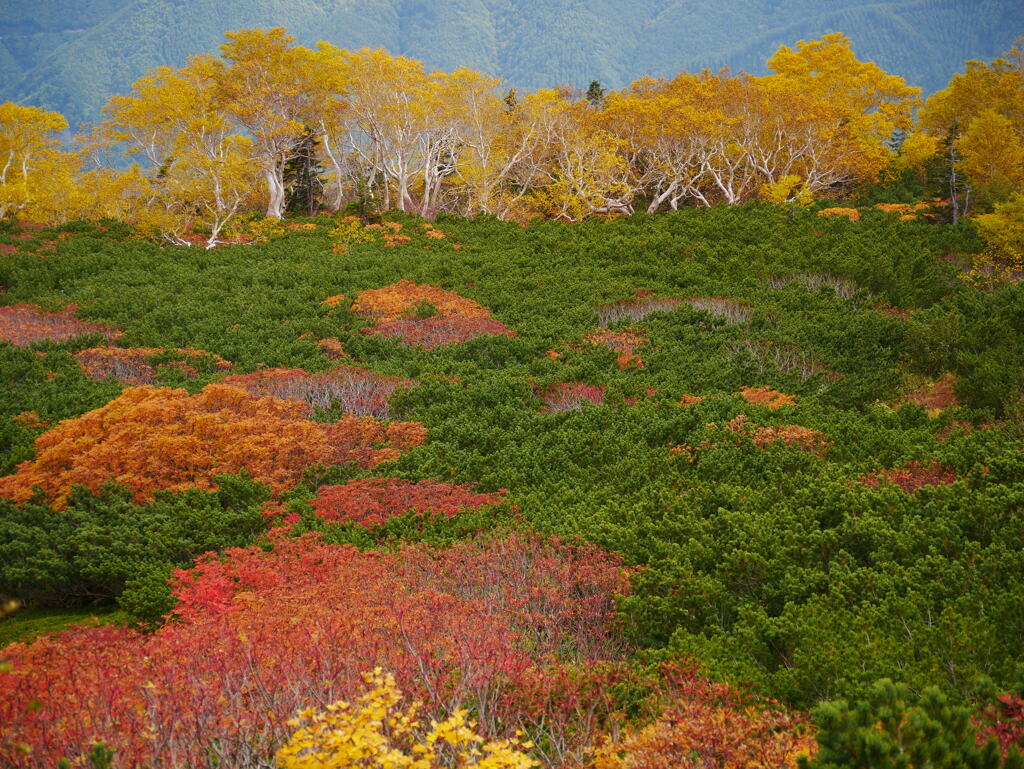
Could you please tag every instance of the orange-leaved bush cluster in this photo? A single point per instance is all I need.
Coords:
(850, 213)
(485, 625)
(912, 476)
(357, 390)
(623, 342)
(372, 501)
(423, 315)
(24, 324)
(131, 365)
(157, 438)
(402, 298)
(767, 397)
(712, 725)
(793, 436)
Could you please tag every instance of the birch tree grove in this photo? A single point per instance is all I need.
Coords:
(217, 134)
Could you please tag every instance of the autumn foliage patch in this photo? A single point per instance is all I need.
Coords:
(357, 390)
(709, 724)
(623, 342)
(423, 315)
(152, 438)
(565, 396)
(935, 395)
(434, 331)
(912, 476)
(372, 501)
(23, 324)
(132, 365)
(260, 635)
(767, 397)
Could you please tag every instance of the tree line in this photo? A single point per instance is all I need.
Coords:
(268, 122)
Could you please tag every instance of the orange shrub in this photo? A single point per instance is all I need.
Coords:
(690, 400)
(399, 299)
(23, 324)
(156, 438)
(794, 436)
(623, 342)
(850, 213)
(446, 318)
(332, 348)
(766, 396)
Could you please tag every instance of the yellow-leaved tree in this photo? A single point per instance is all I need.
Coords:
(378, 732)
(979, 120)
(35, 173)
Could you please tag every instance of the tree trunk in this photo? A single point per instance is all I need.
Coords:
(275, 189)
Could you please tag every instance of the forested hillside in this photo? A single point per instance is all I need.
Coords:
(72, 55)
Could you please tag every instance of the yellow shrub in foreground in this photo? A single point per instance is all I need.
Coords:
(376, 731)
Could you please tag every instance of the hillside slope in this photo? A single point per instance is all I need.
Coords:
(71, 56)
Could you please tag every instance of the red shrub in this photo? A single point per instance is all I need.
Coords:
(153, 438)
(431, 332)
(911, 476)
(566, 396)
(372, 501)
(23, 324)
(935, 396)
(357, 390)
(131, 365)
(261, 634)
(708, 724)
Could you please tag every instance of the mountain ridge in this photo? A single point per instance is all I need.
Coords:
(71, 56)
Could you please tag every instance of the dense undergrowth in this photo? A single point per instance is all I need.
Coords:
(867, 526)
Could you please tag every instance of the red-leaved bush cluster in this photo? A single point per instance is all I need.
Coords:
(935, 395)
(372, 501)
(565, 396)
(131, 365)
(158, 438)
(708, 724)
(911, 476)
(357, 390)
(518, 630)
(434, 331)
(23, 324)
(423, 315)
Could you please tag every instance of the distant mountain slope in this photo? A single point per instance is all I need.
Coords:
(71, 55)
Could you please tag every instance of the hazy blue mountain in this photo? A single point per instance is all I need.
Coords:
(71, 55)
